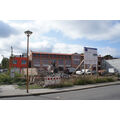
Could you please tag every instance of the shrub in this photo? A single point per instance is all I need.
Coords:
(101, 80)
(90, 81)
(79, 82)
(110, 79)
(6, 79)
(62, 84)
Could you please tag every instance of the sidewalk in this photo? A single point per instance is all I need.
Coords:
(13, 91)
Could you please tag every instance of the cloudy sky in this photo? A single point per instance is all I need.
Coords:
(60, 36)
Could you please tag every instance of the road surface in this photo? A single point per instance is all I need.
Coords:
(100, 93)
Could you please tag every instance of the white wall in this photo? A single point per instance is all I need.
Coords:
(115, 63)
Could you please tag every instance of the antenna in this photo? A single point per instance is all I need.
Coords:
(11, 51)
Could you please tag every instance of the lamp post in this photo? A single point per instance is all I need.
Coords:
(28, 33)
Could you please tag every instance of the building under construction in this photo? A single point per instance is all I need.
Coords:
(42, 60)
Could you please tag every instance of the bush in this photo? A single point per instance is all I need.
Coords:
(6, 79)
(90, 81)
(100, 80)
(62, 84)
(110, 79)
(84, 80)
(81, 80)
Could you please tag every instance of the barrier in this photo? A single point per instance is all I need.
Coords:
(52, 80)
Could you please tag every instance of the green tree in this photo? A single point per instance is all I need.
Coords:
(107, 57)
(5, 63)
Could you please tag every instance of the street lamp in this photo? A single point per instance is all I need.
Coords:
(28, 33)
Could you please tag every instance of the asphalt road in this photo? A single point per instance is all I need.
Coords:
(100, 93)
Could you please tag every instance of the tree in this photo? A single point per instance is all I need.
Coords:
(5, 63)
(107, 57)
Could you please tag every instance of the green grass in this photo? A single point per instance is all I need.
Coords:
(5, 79)
(79, 80)
(65, 83)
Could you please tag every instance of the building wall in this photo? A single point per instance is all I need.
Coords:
(114, 63)
(45, 59)
(41, 60)
(76, 59)
(18, 62)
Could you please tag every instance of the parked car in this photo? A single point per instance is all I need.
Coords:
(87, 71)
(79, 72)
(1, 70)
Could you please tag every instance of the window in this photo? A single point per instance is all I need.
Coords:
(38, 55)
(94, 54)
(60, 62)
(76, 62)
(23, 62)
(36, 62)
(53, 61)
(14, 61)
(45, 62)
(34, 55)
(68, 62)
(44, 55)
(54, 56)
(76, 57)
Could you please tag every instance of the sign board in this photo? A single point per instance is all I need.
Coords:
(90, 56)
(111, 70)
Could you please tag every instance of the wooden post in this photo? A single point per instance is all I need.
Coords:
(91, 69)
(97, 70)
(84, 70)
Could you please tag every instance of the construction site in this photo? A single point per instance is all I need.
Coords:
(46, 69)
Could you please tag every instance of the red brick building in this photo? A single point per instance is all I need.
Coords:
(42, 59)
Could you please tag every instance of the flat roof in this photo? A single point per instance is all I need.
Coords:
(50, 53)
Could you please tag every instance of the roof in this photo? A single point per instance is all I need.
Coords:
(50, 53)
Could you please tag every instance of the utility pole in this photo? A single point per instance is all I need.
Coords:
(11, 51)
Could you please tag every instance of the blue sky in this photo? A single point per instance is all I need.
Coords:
(64, 36)
(82, 41)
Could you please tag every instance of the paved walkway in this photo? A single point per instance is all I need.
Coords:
(13, 91)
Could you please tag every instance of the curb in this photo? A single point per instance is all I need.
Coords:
(60, 91)
(73, 89)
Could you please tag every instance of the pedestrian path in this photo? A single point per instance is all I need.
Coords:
(13, 91)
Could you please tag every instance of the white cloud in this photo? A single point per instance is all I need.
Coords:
(89, 29)
(92, 30)
(109, 51)
(67, 48)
